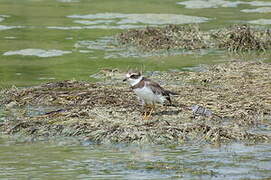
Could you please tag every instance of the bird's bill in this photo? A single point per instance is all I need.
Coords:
(125, 79)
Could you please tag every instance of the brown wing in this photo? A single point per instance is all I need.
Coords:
(156, 88)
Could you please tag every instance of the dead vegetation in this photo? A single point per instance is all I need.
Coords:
(236, 38)
(238, 94)
(168, 37)
(242, 38)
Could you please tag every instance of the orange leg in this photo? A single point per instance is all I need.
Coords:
(145, 115)
(145, 106)
(148, 115)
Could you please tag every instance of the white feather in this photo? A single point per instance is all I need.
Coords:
(134, 81)
(147, 95)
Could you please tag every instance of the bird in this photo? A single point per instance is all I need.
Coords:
(148, 91)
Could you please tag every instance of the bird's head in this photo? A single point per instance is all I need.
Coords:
(133, 78)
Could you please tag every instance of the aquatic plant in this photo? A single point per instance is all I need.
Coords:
(242, 38)
(236, 38)
(237, 93)
(168, 37)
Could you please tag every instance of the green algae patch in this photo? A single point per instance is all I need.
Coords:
(236, 38)
(237, 93)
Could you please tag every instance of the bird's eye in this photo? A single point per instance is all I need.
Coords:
(134, 76)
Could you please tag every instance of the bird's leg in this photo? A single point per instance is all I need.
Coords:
(152, 109)
(145, 115)
(148, 111)
(145, 106)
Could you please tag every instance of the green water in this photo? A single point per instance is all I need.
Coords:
(36, 18)
(67, 159)
(49, 25)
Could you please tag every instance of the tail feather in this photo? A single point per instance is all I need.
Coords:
(169, 100)
(171, 93)
(167, 94)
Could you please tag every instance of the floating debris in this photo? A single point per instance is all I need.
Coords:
(235, 38)
(242, 38)
(177, 39)
(168, 37)
(104, 112)
(200, 110)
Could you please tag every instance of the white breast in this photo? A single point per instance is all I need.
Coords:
(148, 96)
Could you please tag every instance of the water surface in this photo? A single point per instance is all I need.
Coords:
(52, 40)
(67, 159)
(45, 40)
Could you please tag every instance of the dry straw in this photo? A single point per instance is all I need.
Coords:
(236, 38)
(237, 93)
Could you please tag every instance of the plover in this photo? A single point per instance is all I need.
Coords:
(148, 91)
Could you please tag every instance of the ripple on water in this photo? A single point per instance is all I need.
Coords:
(112, 49)
(53, 159)
(2, 17)
(96, 27)
(104, 43)
(128, 21)
(144, 18)
(3, 27)
(260, 21)
(37, 52)
(46, 78)
(67, 1)
(86, 22)
(199, 4)
(10, 37)
(258, 10)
